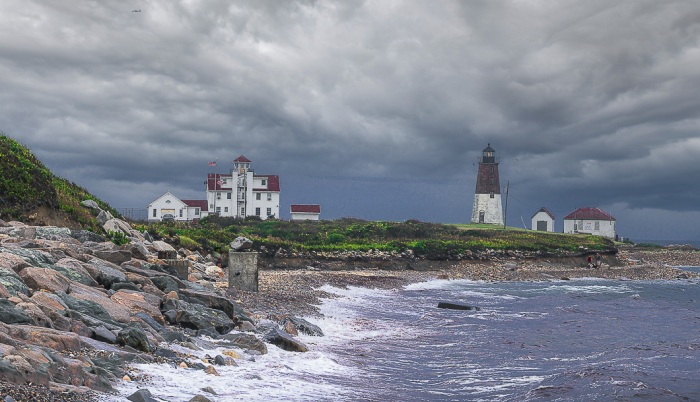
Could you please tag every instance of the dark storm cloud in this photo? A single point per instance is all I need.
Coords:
(586, 103)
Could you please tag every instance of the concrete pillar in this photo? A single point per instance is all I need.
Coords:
(243, 270)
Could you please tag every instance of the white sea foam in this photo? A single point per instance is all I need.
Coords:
(278, 375)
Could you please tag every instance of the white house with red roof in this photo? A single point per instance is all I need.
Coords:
(543, 220)
(305, 212)
(242, 192)
(590, 220)
(169, 207)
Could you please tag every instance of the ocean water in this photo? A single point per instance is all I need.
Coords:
(578, 340)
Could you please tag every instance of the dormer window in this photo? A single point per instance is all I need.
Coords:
(264, 182)
(167, 201)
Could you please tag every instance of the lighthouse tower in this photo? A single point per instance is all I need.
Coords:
(487, 197)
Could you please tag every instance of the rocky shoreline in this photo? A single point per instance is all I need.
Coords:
(77, 311)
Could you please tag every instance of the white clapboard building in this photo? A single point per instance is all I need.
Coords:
(591, 221)
(243, 193)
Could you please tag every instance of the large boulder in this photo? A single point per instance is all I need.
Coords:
(104, 272)
(241, 244)
(139, 302)
(90, 204)
(285, 341)
(12, 262)
(104, 216)
(115, 256)
(10, 314)
(55, 233)
(74, 270)
(12, 282)
(135, 338)
(116, 311)
(213, 300)
(86, 235)
(36, 258)
(243, 341)
(301, 325)
(196, 316)
(44, 278)
(138, 250)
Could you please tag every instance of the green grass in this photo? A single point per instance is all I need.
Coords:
(26, 184)
(430, 240)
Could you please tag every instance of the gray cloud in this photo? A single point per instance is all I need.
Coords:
(376, 109)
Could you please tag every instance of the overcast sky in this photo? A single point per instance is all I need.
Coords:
(373, 109)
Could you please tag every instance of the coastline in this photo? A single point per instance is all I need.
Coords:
(296, 292)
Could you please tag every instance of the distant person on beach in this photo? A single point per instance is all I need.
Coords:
(590, 262)
(597, 260)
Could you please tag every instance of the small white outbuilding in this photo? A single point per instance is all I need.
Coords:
(308, 212)
(543, 220)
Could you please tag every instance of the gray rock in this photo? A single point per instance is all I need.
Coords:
(105, 273)
(455, 306)
(138, 250)
(303, 326)
(142, 395)
(135, 338)
(199, 398)
(221, 360)
(90, 204)
(285, 341)
(115, 257)
(52, 233)
(192, 315)
(86, 235)
(9, 314)
(215, 301)
(104, 335)
(244, 341)
(12, 282)
(104, 216)
(166, 283)
(241, 244)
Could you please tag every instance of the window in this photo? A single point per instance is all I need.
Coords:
(218, 196)
(218, 210)
(258, 196)
(491, 168)
(228, 196)
(257, 211)
(269, 196)
(492, 196)
(154, 212)
(491, 180)
(264, 182)
(225, 209)
(196, 212)
(597, 225)
(180, 213)
(269, 211)
(242, 211)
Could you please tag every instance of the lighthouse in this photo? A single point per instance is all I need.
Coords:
(487, 197)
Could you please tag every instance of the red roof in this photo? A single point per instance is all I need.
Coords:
(273, 182)
(309, 208)
(590, 213)
(201, 204)
(242, 159)
(546, 211)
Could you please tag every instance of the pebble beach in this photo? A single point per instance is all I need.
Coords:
(296, 292)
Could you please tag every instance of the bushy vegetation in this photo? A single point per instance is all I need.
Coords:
(26, 184)
(431, 240)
